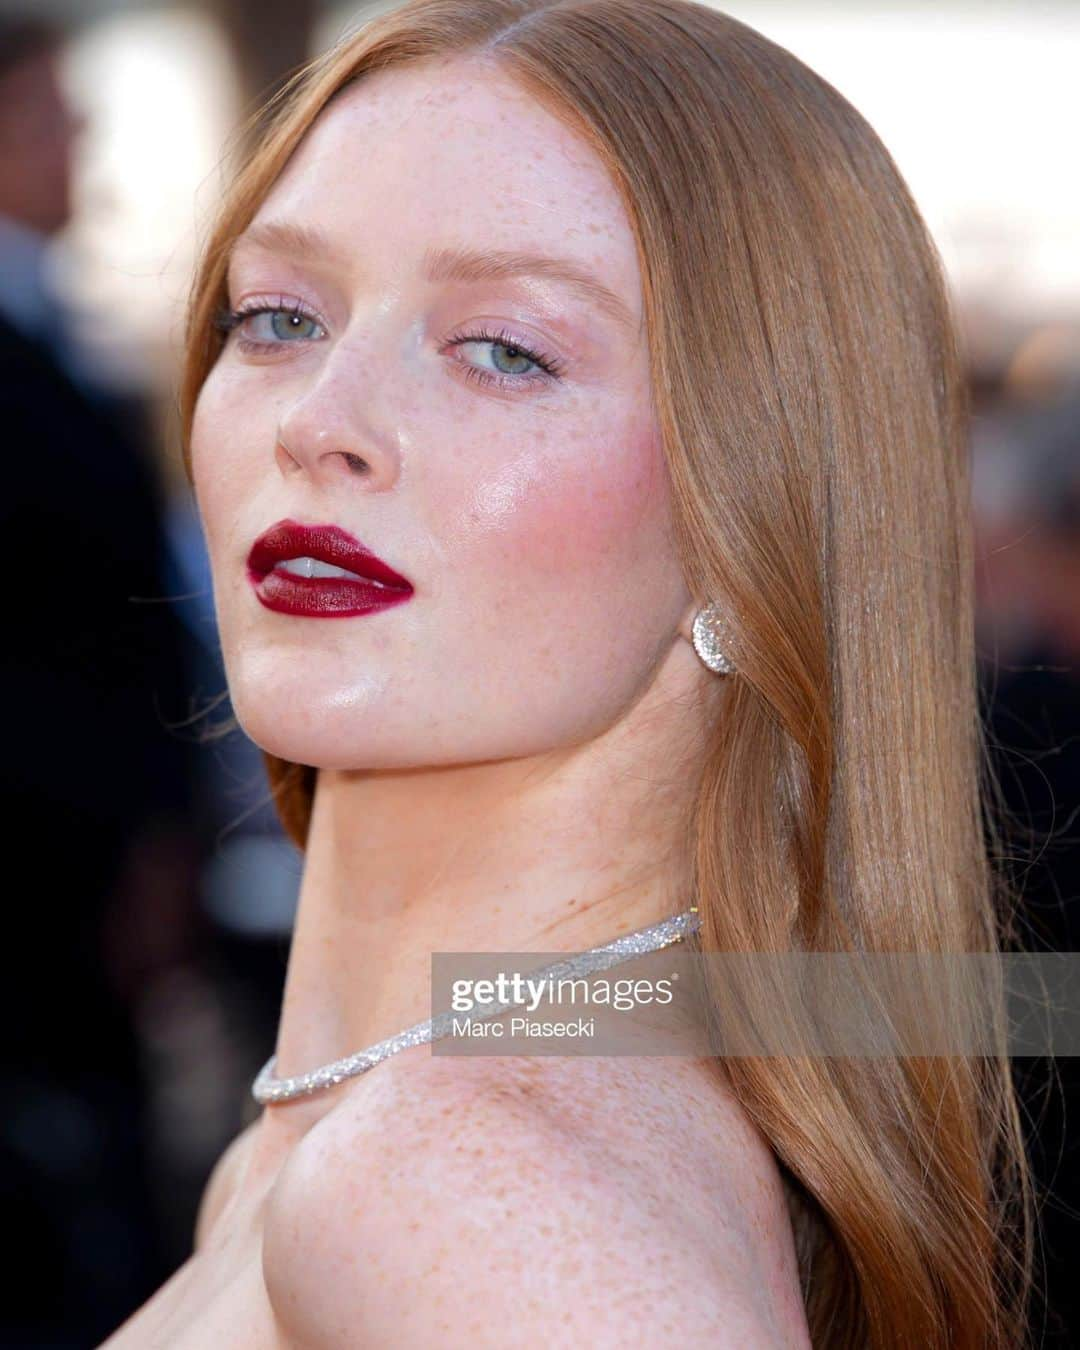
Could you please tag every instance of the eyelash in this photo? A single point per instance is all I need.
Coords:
(227, 320)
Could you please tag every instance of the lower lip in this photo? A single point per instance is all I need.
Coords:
(322, 597)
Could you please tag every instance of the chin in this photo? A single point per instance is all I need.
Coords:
(323, 747)
(328, 728)
(304, 729)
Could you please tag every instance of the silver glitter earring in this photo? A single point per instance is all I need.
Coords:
(710, 634)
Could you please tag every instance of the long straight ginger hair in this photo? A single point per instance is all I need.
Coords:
(813, 416)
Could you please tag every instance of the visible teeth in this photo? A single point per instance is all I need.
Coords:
(315, 567)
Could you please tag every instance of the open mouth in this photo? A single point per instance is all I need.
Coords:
(321, 571)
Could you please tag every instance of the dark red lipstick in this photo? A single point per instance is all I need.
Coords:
(371, 584)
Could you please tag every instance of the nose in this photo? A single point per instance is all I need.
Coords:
(329, 432)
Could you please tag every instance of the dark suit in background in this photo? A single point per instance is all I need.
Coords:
(93, 794)
(93, 789)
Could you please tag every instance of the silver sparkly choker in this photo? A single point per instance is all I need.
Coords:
(268, 1090)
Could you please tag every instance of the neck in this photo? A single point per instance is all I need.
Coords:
(557, 852)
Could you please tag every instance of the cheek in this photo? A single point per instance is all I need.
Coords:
(594, 509)
(224, 430)
(206, 460)
(568, 586)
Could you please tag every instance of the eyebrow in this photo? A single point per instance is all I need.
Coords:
(451, 264)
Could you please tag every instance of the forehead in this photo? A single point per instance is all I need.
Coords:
(455, 152)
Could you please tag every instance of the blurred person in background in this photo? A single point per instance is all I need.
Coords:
(95, 792)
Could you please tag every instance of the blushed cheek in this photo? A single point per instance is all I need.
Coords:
(597, 507)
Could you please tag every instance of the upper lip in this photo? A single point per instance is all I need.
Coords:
(329, 543)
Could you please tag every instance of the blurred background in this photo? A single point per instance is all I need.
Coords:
(147, 942)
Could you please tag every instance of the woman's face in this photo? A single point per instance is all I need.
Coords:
(384, 389)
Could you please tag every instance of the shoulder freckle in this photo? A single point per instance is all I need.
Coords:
(495, 1205)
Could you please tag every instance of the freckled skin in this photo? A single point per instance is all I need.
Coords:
(507, 759)
(622, 1201)
(505, 764)
(533, 525)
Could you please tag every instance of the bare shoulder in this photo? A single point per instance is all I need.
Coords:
(514, 1201)
(221, 1184)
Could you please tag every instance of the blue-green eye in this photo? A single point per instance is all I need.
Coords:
(261, 325)
(286, 324)
(506, 353)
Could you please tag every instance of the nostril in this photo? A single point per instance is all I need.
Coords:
(357, 464)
